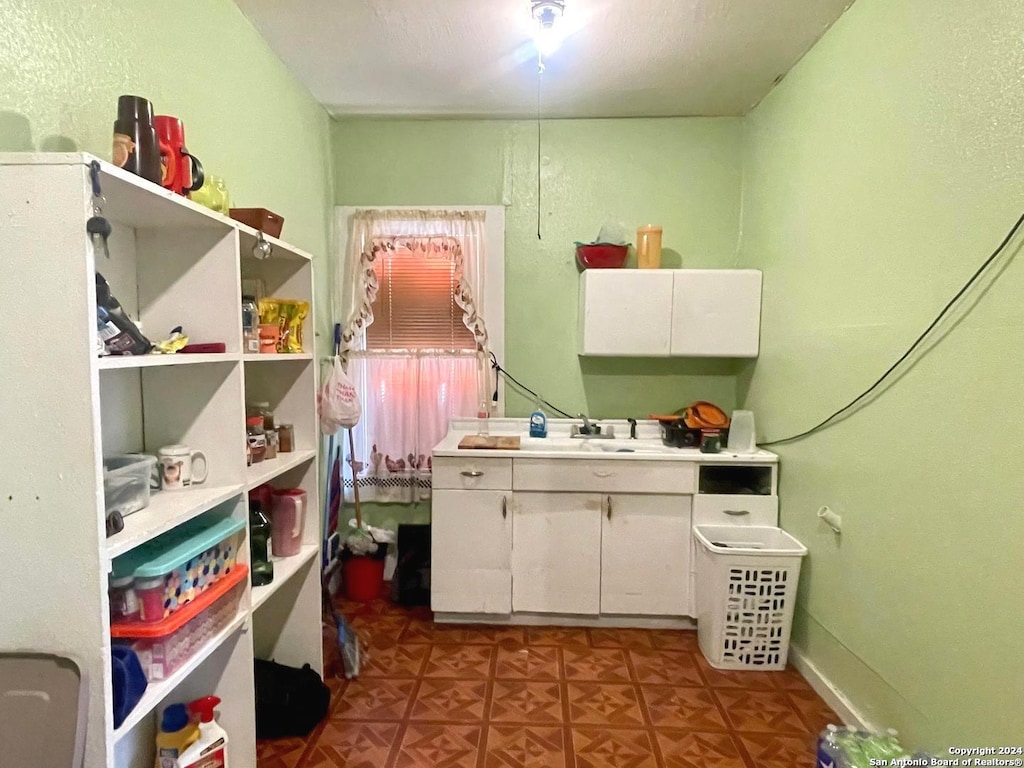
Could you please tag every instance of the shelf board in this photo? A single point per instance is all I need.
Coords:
(250, 358)
(117, 362)
(284, 569)
(158, 691)
(265, 471)
(166, 510)
(248, 236)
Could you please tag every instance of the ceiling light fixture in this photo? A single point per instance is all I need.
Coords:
(546, 13)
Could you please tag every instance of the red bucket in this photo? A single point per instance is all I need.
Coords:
(363, 577)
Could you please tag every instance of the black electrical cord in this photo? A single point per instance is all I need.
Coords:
(917, 342)
(498, 370)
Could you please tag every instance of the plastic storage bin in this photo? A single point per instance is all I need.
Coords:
(126, 483)
(746, 591)
(177, 567)
(164, 646)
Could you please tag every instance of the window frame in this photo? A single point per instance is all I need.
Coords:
(493, 269)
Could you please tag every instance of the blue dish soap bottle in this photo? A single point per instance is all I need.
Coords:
(538, 422)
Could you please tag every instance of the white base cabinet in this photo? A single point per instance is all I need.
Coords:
(471, 545)
(584, 541)
(556, 553)
(645, 555)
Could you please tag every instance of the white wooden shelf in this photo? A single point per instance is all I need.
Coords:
(281, 358)
(157, 691)
(284, 569)
(267, 470)
(166, 510)
(118, 362)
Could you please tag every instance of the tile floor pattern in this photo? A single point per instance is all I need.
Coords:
(442, 696)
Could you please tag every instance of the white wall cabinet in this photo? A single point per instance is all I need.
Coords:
(556, 553)
(645, 555)
(471, 552)
(171, 262)
(670, 313)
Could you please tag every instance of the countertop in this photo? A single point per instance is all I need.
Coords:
(559, 445)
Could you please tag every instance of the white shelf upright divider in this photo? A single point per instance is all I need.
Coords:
(171, 262)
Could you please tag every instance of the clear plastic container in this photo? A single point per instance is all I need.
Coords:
(165, 646)
(648, 247)
(250, 326)
(126, 482)
(257, 438)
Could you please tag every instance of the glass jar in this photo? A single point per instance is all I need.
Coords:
(263, 409)
(257, 438)
(272, 443)
(285, 438)
(124, 604)
(150, 592)
(250, 326)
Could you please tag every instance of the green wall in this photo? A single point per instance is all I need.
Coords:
(682, 173)
(63, 64)
(877, 177)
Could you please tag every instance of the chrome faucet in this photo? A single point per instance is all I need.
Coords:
(588, 427)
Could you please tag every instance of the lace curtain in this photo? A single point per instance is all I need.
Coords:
(409, 396)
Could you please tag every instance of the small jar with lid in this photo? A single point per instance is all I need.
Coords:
(150, 592)
(272, 443)
(261, 409)
(285, 438)
(250, 326)
(257, 438)
(124, 604)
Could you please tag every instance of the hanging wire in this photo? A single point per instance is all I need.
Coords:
(540, 72)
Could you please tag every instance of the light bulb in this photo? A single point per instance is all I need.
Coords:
(547, 40)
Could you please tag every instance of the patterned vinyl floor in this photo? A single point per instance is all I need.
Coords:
(438, 696)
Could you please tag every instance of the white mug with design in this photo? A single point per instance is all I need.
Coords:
(181, 467)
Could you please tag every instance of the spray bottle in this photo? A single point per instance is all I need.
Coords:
(210, 750)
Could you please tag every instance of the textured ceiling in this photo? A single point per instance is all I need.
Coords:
(475, 57)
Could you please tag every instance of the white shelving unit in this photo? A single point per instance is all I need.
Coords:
(171, 263)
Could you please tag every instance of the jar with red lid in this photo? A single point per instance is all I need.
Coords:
(257, 438)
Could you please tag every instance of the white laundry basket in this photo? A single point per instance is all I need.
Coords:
(746, 591)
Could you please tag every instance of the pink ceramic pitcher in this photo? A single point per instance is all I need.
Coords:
(287, 520)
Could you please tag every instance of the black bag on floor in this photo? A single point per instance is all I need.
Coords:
(410, 584)
(289, 701)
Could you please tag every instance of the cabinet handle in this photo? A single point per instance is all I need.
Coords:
(736, 512)
(609, 507)
(472, 473)
(602, 473)
(504, 507)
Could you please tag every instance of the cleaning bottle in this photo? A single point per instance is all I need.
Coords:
(177, 733)
(538, 422)
(210, 750)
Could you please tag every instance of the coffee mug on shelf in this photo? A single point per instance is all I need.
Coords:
(181, 467)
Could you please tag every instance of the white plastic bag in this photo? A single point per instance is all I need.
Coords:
(339, 401)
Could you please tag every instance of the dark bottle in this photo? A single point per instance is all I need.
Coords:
(136, 145)
(259, 546)
(119, 333)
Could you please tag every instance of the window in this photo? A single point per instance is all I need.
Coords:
(422, 294)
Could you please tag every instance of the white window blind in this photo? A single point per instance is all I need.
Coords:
(415, 306)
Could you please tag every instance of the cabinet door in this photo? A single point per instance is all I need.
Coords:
(716, 312)
(625, 312)
(556, 553)
(470, 552)
(645, 555)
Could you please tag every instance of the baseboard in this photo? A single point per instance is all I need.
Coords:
(567, 620)
(825, 688)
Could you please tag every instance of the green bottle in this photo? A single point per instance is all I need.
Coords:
(259, 546)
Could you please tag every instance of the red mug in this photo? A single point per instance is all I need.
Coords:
(183, 173)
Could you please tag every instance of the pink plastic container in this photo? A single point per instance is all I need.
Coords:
(162, 647)
(287, 521)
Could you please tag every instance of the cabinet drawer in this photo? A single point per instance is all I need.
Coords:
(735, 509)
(597, 476)
(472, 474)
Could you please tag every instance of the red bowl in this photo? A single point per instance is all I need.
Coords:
(601, 256)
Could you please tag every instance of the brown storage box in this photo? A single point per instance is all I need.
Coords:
(259, 218)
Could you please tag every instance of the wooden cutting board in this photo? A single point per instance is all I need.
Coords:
(484, 442)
